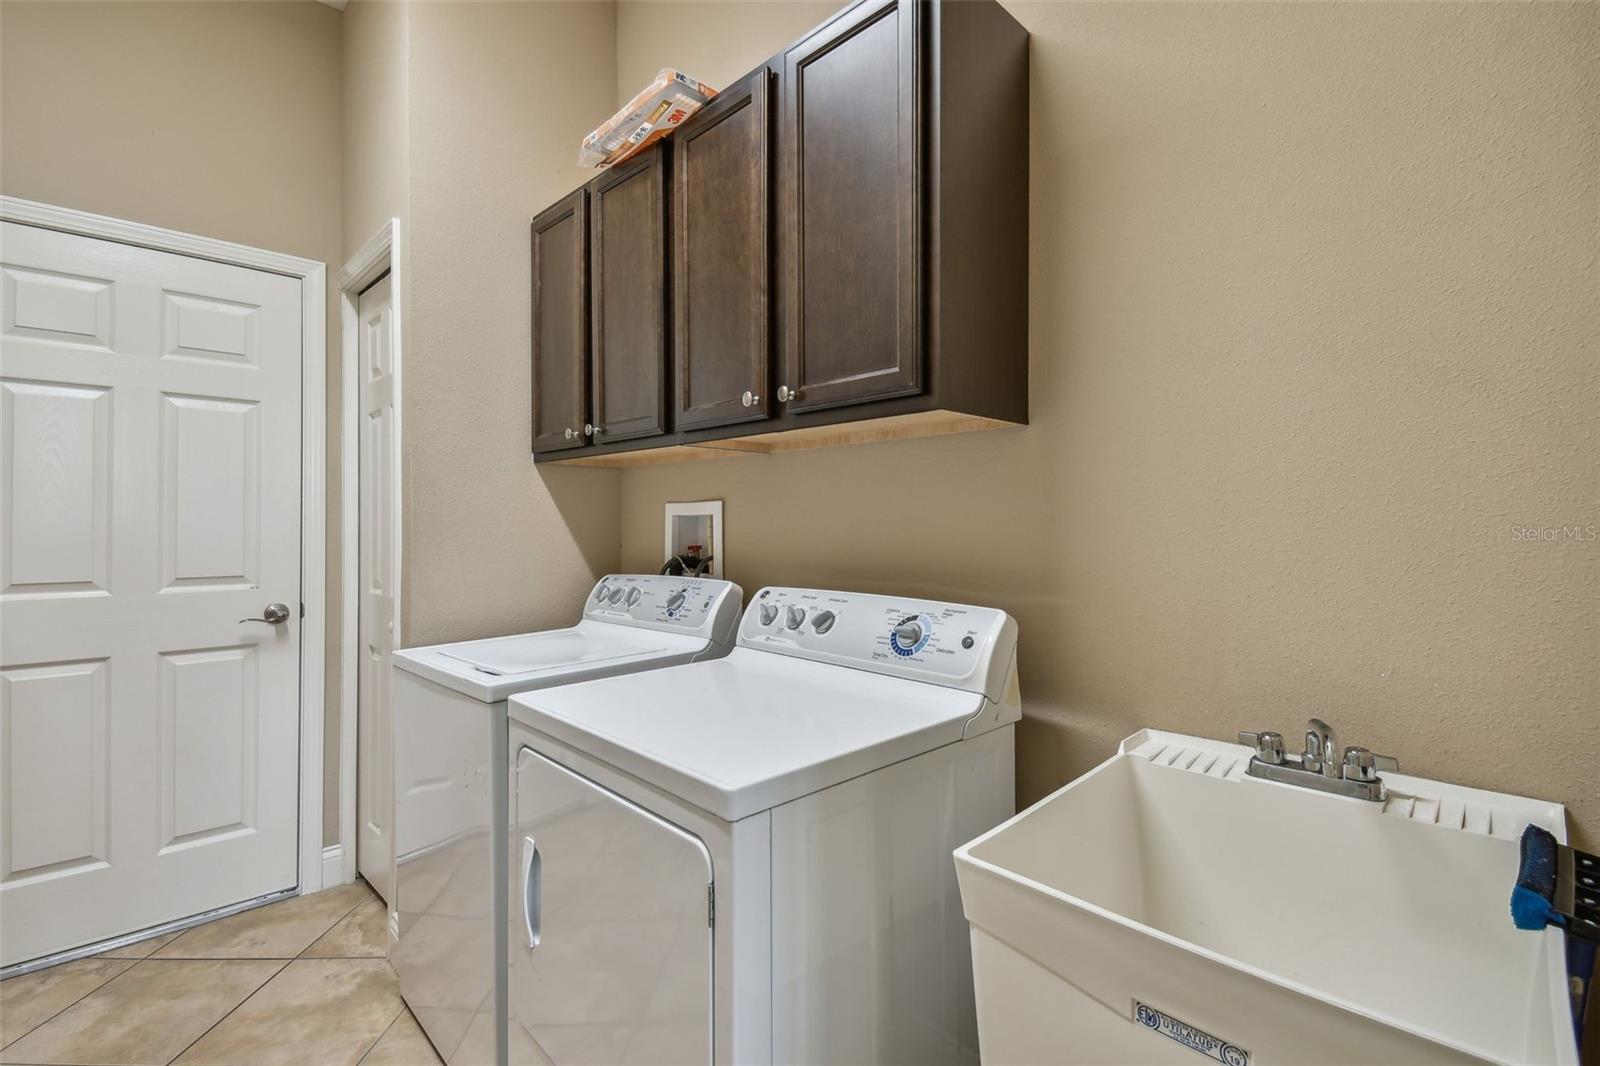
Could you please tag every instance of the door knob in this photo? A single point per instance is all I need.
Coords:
(274, 614)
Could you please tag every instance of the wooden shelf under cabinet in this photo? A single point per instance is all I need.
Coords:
(894, 427)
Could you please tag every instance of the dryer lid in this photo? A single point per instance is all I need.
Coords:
(745, 733)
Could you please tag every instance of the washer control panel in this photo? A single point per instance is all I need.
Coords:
(944, 643)
(676, 604)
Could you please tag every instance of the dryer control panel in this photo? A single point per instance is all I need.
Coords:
(676, 604)
(949, 644)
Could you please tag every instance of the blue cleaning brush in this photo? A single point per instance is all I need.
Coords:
(1557, 885)
(1533, 898)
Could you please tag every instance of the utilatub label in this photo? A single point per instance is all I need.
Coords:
(1192, 1037)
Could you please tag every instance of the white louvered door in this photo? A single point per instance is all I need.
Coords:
(149, 500)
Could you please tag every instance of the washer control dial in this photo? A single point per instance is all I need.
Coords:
(769, 613)
(675, 602)
(600, 593)
(615, 597)
(795, 617)
(910, 635)
(633, 595)
(823, 621)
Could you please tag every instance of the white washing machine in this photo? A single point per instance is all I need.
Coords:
(749, 860)
(451, 785)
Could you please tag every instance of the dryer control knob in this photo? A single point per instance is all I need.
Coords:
(823, 621)
(907, 633)
(675, 601)
(795, 617)
(600, 593)
(769, 613)
(633, 595)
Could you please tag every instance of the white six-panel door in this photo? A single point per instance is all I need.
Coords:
(149, 500)
(375, 748)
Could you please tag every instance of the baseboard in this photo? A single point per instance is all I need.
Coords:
(333, 865)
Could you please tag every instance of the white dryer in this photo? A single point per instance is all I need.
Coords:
(451, 796)
(749, 860)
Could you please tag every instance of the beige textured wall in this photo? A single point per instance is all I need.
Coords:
(373, 65)
(462, 120)
(713, 41)
(499, 97)
(377, 145)
(1313, 328)
(221, 119)
(1314, 308)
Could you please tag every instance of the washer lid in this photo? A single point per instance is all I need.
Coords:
(741, 734)
(492, 669)
(509, 656)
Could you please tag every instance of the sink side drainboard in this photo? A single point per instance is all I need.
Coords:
(1212, 762)
(1452, 813)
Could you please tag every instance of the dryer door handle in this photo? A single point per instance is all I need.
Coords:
(532, 897)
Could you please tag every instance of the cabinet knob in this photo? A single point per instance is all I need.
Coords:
(749, 399)
(571, 433)
(785, 394)
(591, 430)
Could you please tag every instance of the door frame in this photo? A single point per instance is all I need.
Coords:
(381, 254)
(312, 276)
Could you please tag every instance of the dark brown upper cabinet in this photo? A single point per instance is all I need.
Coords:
(721, 225)
(848, 252)
(852, 219)
(560, 323)
(628, 313)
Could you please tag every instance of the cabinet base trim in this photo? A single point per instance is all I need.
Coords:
(895, 427)
(672, 453)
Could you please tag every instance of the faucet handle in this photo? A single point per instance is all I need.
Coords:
(1362, 765)
(1269, 746)
(1359, 765)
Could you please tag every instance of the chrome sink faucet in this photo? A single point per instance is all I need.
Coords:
(1322, 746)
(1320, 766)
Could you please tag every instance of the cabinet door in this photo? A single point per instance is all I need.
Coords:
(852, 177)
(560, 323)
(722, 190)
(628, 268)
(611, 949)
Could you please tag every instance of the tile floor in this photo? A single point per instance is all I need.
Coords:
(302, 982)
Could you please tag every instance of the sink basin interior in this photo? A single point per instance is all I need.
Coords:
(1403, 920)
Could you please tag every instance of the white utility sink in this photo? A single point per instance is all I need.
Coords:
(1257, 922)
